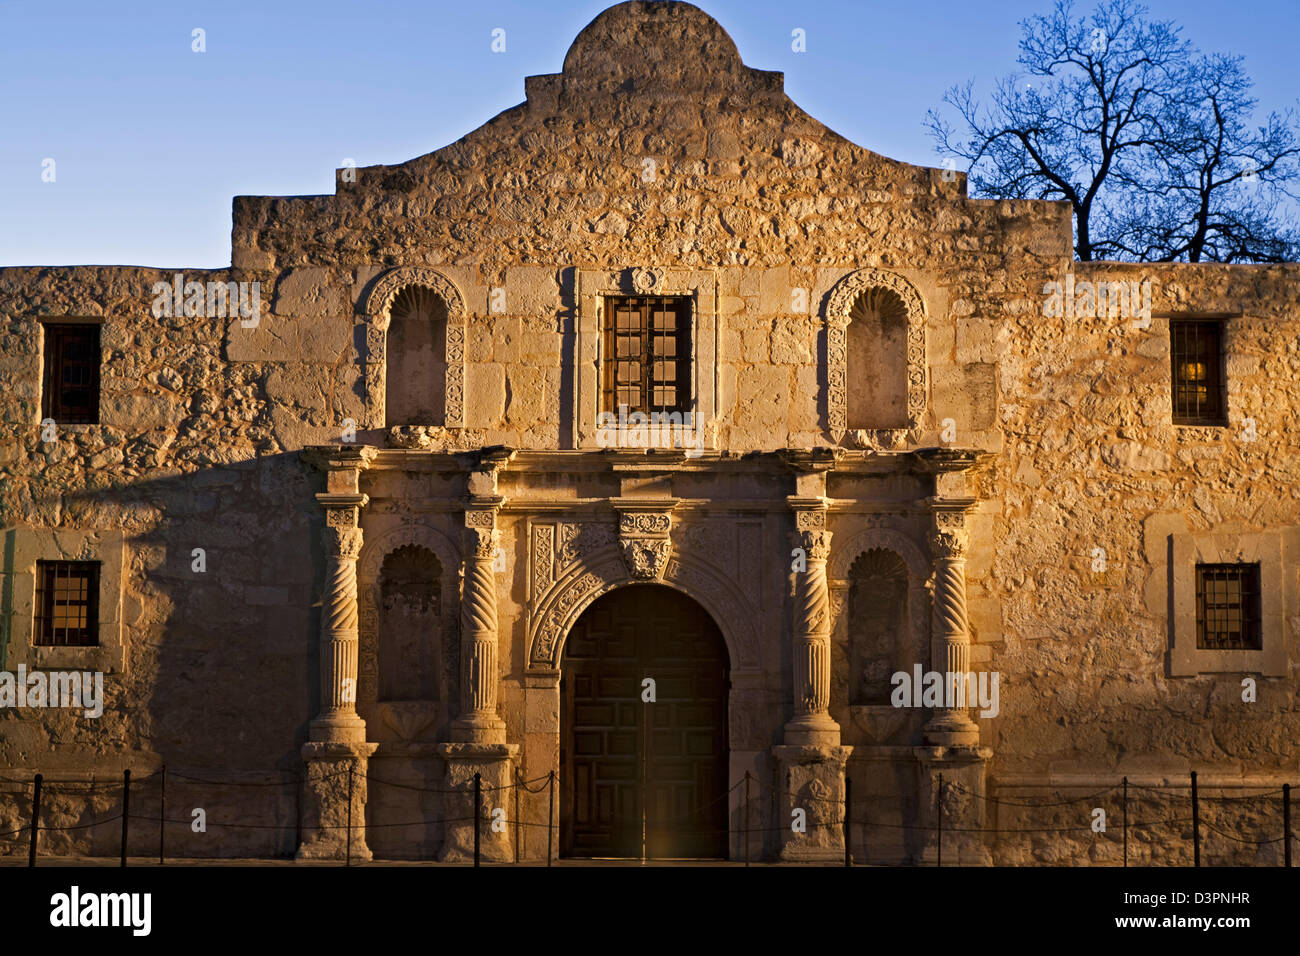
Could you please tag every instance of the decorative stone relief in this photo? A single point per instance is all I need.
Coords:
(838, 308)
(646, 281)
(645, 543)
(571, 594)
(542, 561)
(646, 559)
(578, 541)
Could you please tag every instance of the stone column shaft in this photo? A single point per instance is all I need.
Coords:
(950, 642)
(338, 721)
(478, 721)
(478, 621)
(811, 637)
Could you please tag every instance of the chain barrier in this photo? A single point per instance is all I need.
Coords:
(62, 789)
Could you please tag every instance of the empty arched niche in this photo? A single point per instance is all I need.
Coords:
(410, 639)
(878, 625)
(416, 377)
(877, 360)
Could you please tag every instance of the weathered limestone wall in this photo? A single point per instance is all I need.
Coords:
(201, 419)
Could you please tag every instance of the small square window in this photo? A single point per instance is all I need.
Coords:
(67, 603)
(1196, 348)
(70, 394)
(1228, 607)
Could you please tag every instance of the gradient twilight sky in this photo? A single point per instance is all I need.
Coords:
(151, 140)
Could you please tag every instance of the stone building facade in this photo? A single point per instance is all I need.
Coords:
(376, 532)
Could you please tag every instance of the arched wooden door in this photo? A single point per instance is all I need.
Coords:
(641, 778)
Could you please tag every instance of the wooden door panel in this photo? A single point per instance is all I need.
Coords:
(627, 764)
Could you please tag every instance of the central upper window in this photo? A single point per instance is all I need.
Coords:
(647, 354)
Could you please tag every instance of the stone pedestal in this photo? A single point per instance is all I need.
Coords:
(964, 771)
(336, 775)
(811, 780)
(495, 764)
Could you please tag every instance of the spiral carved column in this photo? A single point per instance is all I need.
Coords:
(478, 720)
(477, 742)
(950, 641)
(336, 752)
(812, 723)
(338, 720)
(811, 763)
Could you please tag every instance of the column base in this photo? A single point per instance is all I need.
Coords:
(485, 731)
(964, 771)
(495, 765)
(812, 730)
(952, 728)
(326, 835)
(812, 780)
(337, 728)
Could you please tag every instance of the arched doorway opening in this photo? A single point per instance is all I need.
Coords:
(643, 778)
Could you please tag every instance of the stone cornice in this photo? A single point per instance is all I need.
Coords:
(336, 457)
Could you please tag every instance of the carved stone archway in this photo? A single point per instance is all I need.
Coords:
(573, 592)
(374, 313)
(838, 309)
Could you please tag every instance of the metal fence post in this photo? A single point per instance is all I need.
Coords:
(1196, 824)
(550, 820)
(1286, 824)
(848, 804)
(126, 809)
(162, 817)
(745, 829)
(347, 860)
(1125, 805)
(36, 818)
(478, 789)
(939, 808)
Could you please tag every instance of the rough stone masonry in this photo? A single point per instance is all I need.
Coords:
(339, 551)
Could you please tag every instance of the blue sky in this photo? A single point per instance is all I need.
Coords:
(151, 140)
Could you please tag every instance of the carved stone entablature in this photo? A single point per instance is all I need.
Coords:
(373, 310)
(838, 311)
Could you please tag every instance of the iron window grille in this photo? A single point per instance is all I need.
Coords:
(1228, 607)
(647, 354)
(67, 603)
(71, 388)
(1196, 349)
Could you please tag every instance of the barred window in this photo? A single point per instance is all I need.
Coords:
(1228, 607)
(71, 387)
(67, 603)
(647, 355)
(1196, 347)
